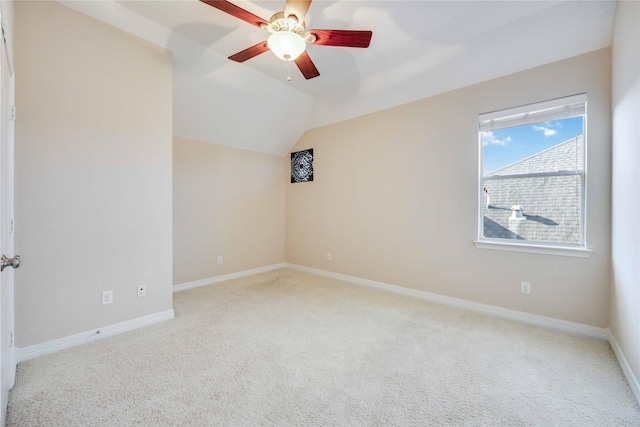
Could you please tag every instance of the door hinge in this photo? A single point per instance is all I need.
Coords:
(12, 115)
(12, 225)
(10, 338)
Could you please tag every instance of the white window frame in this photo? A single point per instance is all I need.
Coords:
(554, 109)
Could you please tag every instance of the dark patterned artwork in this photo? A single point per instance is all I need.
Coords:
(302, 166)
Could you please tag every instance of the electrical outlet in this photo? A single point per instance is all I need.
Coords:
(525, 288)
(328, 256)
(142, 291)
(107, 297)
(220, 259)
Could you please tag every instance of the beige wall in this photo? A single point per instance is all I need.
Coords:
(395, 198)
(227, 202)
(625, 286)
(93, 173)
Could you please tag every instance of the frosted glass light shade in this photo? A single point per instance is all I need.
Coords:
(286, 45)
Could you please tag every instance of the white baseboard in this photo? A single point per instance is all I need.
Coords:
(490, 310)
(33, 351)
(626, 369)
(38, 350)
(225, 277)
(504, 313)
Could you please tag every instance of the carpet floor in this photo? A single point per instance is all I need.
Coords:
(287, 348)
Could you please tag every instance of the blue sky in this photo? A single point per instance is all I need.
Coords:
(505, 146)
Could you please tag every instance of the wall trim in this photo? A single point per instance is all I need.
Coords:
(533, 249)
(626, 369)
(224, 277)
(490, 310)
(37, 350)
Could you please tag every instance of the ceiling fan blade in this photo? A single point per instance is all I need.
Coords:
(345, 38)
(298, 8)
(250, 52)
(236, 11)
(306, 66)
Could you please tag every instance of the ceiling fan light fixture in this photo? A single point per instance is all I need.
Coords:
(286, 45)
(289, 35)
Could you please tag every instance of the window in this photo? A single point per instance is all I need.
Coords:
(532, 177)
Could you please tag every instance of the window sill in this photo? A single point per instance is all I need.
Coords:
(534, 249)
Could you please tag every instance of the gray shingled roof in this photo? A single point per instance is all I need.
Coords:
(550, 204)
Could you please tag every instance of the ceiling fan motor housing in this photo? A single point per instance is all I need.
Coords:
(279, 22)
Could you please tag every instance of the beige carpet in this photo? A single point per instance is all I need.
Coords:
(294, 349)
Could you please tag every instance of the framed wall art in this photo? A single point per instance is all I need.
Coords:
(302, 166)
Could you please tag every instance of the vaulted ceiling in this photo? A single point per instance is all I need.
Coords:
(418, 49)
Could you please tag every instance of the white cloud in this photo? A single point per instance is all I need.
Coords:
(547, 130)
(488, 137)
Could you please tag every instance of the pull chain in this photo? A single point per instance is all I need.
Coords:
(289, 76)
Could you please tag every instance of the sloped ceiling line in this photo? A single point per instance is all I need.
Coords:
(419, 49)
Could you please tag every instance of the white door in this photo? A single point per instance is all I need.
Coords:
(7, 349)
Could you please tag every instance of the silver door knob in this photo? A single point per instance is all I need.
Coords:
(9, 262)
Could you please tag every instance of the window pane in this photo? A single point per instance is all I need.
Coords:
(549, 209)
(533, 175)
(541, 147)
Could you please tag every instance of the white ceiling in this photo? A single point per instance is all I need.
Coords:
(418, 49)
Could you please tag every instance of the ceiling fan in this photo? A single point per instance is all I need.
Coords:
(289, 36)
